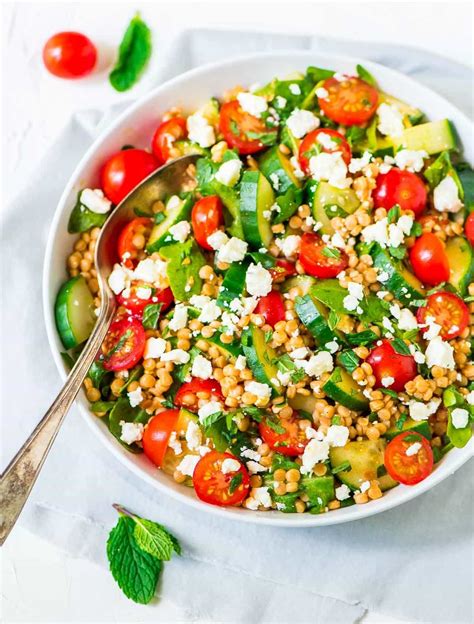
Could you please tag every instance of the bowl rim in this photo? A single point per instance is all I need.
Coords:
(273, 518)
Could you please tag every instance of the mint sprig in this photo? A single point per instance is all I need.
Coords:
(136, 549)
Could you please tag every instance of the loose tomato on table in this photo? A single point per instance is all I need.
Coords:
(124, 171)
(316, 142)
(124, 344)
(469, 228)
(400, 187)
(409, 466)
(447, 310)
(207, 216)
(241, 130)
(186, 394)
(166, 134)
(282, 270)
(387, 363)
(320, 260)
(157, 433)
(132, 239)
(429, 260)
(69, 55)
(350, 102)
(291, 442)
(271, 307)
(216, 487)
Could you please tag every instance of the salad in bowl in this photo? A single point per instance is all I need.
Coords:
(293, 330)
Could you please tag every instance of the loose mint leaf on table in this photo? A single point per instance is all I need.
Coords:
(136, 549)
(133, 55)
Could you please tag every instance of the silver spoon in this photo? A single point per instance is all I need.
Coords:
(21, 473)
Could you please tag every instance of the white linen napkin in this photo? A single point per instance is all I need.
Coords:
(413, 562)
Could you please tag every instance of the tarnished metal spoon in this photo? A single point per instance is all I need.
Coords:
(20, 475)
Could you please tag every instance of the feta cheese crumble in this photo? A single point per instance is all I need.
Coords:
(230, 465)
(318, 364)
(233, 250)
(154, 348)
(188, 464)
(446, 196)
(213, 407)
(295, 89)
(390, 120)
(201, 367)
(343, 492)
(440, 353)
(193, 436)
(289, 245)
(411, 160)
(200, 131)
(229, 172)
(261, 390)
(337, 435)
(315, 451)
(321, 93)
(131, 432)
(422, 411)
(174, 444)
(135, 397)
(180, 231)
(258, 280)
(180, 317)
(413, 449)
(459, 418)
(387, 381)
(95, 200)
(357, 164)
(217, 239)
(252, 104)
(301, 122)
(177, 356)
(330, 167)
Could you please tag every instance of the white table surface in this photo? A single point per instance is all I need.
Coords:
(39, 582)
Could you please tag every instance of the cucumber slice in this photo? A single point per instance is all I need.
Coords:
(461, 263)
(314, 316)
(260, 357)
(303, 282)
(466, 178)
(400, 281)
(409, 112)
(365, 458)
(231, 350)
(329, 202)
(176, 210)
(422, 427)
(433, 137)
(342, 388)
(256, 198)
(233, 284)
(274, 164)
(188, 147)
(74, 312)
(171, 460)
(303, 402)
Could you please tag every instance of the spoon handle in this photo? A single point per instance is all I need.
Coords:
(21, 473)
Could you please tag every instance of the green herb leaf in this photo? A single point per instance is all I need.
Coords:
(394, 214)
(389, 392)
(333, 319)
(133, 55)
(235, 482)
(362, 338)
(366, 75)
(274, 425)
(155, 539)
(159, 218)
(398, 252)
(401, 421)
(355, 134)
(412, 437)
(211, 419)
(100, 407)
(268, 335)
(400, 347)
(331, 252)
(416, 229)
(151, 315)
(344, 466)
(82, 219)
(349, 360)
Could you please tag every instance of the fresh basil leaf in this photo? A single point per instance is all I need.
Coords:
(98, 375)
(101, 406)
(133, 55)
(398, 252)
(355, 134)
(211, 419)
(316, 74)
(366, 75)
(151, 315)
(416, 229)
(184, 276)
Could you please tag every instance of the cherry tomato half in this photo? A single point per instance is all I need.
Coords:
(429, 260)
(386, 362)
(318, 259)
(157, 433)
(213, 486)
(124, 171)
(206, 217)
(292, 442)
(69, 55)
(137, 298)
(166, 134)
(403, 465)
(271, 307)
(400, 187)
(124, 344)
(186, 395)
(282, 270)
(447, 310)
(237, 126)
(349, 102)
(136, 230)
(323, 140)
(469, 228)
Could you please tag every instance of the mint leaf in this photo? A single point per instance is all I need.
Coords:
(151, 314)
(366, 75)
(155, 539)
(400, 347)
(133, 55)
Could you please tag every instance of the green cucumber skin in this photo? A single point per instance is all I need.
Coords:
(334, 391)
(69, 337)
(422, 427)
(233, 349)
(233, 284)
(462, 282)
(256, 228)
(156, 241)
(254, 360)
(395, 282)
(271, 163)
(314, 320)
(365, 457)
(433, 137)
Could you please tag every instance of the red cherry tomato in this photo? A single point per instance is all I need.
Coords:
(400, 187)
(126, 248)
(469, 228)
(124, 344)
(186, 395)
(157, 433)
(69, 55)
(314, 260)
(165, 135)
(165, 297)
(206, 217)
(447, 310)
(272, 308)
(386, 362)
(315, 143)
(216, 487)
(124, 171)
(292, 442)
(429, 260)
(408, 468)
(237, 127)
(349, 102)
(132, 302)
(282, 270)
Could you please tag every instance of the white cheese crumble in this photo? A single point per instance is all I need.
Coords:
(200, 131)
(259, 497)
(330, 166)
(388, 235)
(446, 196)
(230, 465)
(143, 292)
(315, 451)
(154, 348)
(440, 353)
(318, 364)
(260, 390)
(298, 172)
(95, 200)
(208, 409)
(180, 317)
(289, 245)
(332, 346)
(118, 279)
(251, 454)
(180, 231)
(252, 104)
(343, 492)
(357, 164)
(413, 449)
(321, 93)
(135, 397)
(407, 320)
(131, 432)
(356, 294)
(411, 160)
(299, 354)
(390, 120)
(459, 418)
(258, 280)
(201, 367)
(295, 88)
(422, 411)
(177, 356)
(152, 271)
(229, 172)
(193, 436)
(280, 101)
(275, 180)
(233, 250)
(387, 381)
(175, 444)
(254, 467)
(337, 435)
(470, 397)
(240, 362)
(188, 464)
(210, 312)
(300, 122)
(217, 239)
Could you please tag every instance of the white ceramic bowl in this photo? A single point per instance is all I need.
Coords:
(135, 126)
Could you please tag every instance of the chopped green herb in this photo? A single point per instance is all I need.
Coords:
(333, 319)
(235, 482)
(349, 360)
(268, 335)
(398, 252)
(400, 347)
(151, 315)
(331, 252)
(381, 471)
(401, 421)
(134, 53)
(394, 214)
(389, 392)
(344, 466)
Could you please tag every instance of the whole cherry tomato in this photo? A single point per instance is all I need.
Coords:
(124, 171)
(69, 55)
(207, 216)
(391, 366)
(271, 307)
(400, 187)
(429, 260)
